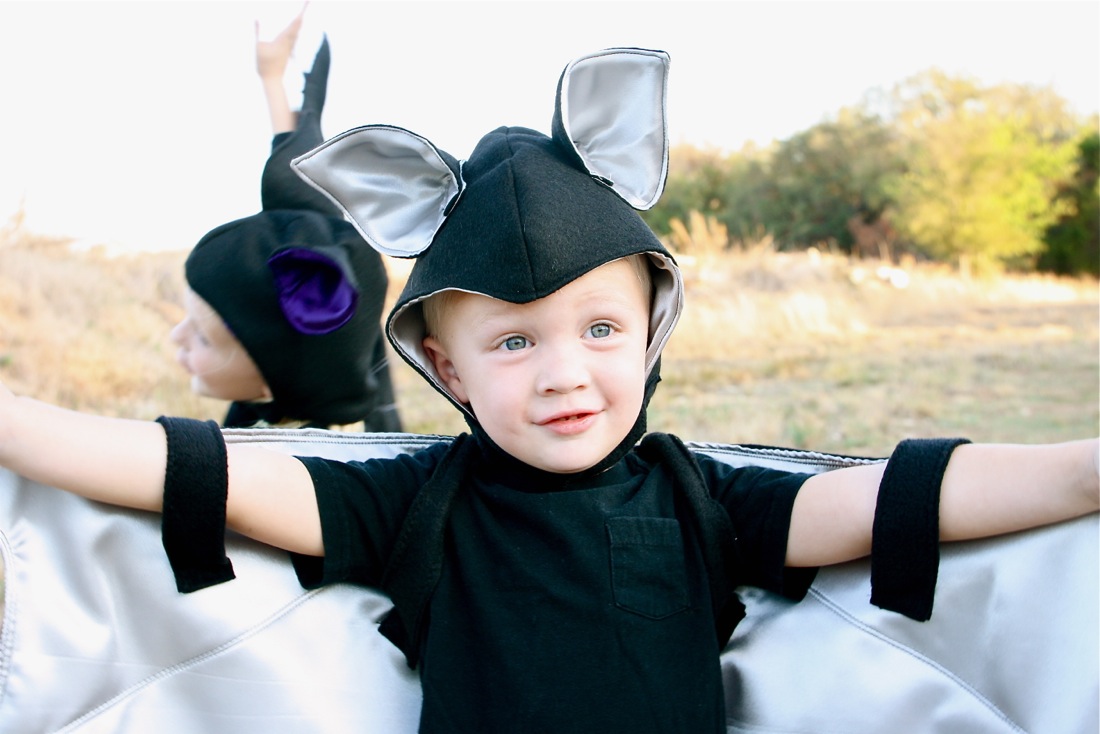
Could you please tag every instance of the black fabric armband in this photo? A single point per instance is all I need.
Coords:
(196, 485)
(905, 538)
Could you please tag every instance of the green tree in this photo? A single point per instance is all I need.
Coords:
(832, 179)
(748, 196)
(696, 182)
(1073, 242)
(983, 168)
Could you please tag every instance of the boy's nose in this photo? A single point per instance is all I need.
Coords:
(177, 333)
(562, 370)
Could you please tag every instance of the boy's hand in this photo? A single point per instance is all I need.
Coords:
(272, 56)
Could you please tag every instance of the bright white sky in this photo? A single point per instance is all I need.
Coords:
(142, 124)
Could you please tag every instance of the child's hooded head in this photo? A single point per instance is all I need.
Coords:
(527, 213)
(297, 286)
(304, 296)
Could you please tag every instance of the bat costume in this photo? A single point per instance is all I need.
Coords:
(528, 600)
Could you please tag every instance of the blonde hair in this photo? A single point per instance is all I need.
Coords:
(435, 308)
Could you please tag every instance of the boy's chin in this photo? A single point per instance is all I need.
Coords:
(563, 464)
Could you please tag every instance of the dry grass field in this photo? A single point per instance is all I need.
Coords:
(801, 350)
(796, 350)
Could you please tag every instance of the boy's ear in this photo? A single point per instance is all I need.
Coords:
(445, 368)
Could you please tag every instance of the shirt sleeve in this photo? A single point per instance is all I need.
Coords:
(362, 506)
(759, 501)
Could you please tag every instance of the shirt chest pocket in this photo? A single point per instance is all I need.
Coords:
(648, 570)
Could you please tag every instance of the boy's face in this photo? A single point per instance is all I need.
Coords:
(558, 382)
(217, 362)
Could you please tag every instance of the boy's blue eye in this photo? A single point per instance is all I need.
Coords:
(600, 330)
(513, 343)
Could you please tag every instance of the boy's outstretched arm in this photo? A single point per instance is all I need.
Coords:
(272, 58)
(987, 489)
(122, 462)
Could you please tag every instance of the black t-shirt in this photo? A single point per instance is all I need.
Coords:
(563, 606)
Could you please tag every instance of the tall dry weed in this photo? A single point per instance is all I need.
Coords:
(90, 332)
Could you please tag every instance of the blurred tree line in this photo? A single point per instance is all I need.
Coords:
(936, 168)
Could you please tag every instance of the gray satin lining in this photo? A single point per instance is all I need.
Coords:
(392, 184)
(96, 640)
(632, 154)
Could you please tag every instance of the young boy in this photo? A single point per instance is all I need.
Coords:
(284, 308)
(549, 572)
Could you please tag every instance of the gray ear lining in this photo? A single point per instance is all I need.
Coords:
(407, 330)
(394, 186)
(668, 303)
(612, 106)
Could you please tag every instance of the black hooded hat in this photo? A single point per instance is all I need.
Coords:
(527, 213)
(301, 290)
(289, 284)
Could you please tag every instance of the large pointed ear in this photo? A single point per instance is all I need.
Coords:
(610, 115)
(394, 186)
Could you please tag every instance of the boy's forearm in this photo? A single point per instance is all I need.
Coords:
(122, 462)
(283, 118)
(987, 489)
(991, 489)
(112, 460)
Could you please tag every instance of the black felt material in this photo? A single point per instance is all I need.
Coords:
(415, 567)
(196, 484)
(326, 378)
(528, 223)
(905, 542)
(280, 187)
(710, 523)
(337, 378)
(416, 563)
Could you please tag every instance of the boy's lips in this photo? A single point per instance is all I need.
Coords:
(570, 423)
(181, 358)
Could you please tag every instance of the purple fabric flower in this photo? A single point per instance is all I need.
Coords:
(316, 292)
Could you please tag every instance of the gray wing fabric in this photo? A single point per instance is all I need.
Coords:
(95, 637)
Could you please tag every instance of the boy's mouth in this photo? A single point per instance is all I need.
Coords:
(181, 359)
(569, 423)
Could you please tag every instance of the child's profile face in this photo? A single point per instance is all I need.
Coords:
(217, 362)
(558, 382)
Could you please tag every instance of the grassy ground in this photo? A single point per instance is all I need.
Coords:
(796, 350)
(829, 362)
(816, 352)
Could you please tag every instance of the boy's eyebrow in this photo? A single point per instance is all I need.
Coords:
(604, 292)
